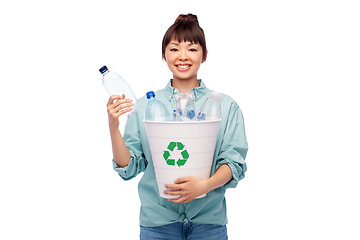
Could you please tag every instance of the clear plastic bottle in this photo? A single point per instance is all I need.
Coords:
(211, 109)
(116, 85)
(155, 110)
(185, 107)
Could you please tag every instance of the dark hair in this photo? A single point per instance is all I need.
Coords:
(186, 28)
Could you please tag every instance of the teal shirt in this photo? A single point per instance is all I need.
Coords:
(231, 148)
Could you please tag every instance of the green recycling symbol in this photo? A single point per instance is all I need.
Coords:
(181, 160)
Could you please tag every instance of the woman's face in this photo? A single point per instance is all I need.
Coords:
(184, 59)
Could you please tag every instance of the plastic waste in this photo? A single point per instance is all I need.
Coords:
(116, 85)
(155, 110)
(211, 109)
(185, 107)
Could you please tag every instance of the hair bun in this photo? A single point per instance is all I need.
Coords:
(187, 17)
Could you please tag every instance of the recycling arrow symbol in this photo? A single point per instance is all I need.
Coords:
(171, 160)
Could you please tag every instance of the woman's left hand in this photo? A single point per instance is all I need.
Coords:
(188, 188)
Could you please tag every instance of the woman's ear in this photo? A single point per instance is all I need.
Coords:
(204, 59)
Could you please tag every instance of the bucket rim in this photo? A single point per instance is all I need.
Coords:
(185, 122)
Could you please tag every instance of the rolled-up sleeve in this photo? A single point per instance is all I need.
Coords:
(138, 162)
(234, 146)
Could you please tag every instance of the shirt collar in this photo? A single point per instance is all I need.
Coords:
(198, 92)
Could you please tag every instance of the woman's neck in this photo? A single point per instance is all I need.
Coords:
(185, 86)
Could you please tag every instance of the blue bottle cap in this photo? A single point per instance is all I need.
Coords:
(191, 114)
(201, 116)
(103, 69)
(150, 94)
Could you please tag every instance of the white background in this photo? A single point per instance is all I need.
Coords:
(292, 66)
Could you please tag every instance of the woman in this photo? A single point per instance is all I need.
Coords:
(184, 50)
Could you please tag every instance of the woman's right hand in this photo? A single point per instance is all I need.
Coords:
(117, 106)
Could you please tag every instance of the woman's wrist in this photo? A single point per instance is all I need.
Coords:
(113, 123)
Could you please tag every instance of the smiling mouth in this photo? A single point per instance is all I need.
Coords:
(183, 67)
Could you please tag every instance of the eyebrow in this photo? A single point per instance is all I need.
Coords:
(177, 43)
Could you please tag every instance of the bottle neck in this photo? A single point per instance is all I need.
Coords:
(105, 72)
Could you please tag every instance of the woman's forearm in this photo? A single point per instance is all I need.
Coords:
(121, 153)
(222, 176)
(117, 106)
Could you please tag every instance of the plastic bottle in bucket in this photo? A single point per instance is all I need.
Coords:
(116, 85)
(185, 107)
(155, 110)
(211, 109)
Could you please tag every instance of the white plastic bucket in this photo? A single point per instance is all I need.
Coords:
(180, 149)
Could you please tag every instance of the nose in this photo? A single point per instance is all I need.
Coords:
(183, 55)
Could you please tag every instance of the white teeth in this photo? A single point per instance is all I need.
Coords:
(183, 66)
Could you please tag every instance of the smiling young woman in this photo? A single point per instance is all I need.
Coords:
(184, 50)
